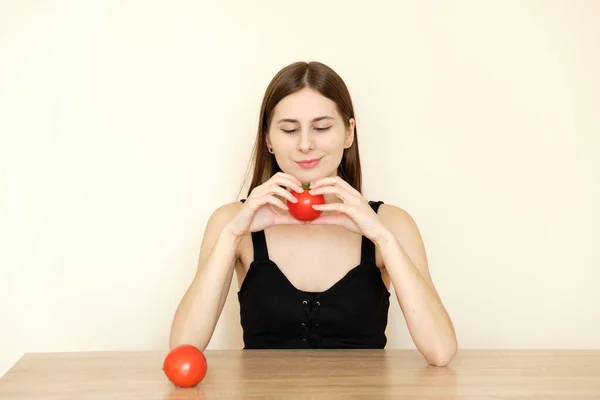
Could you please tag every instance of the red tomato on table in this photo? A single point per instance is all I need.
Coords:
(302, 210)
(185, 366)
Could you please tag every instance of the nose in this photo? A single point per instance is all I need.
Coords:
(306, 141)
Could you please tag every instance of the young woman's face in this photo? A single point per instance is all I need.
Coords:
(307, 135)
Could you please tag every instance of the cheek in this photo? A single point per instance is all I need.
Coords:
(333, 143)
(283, 143)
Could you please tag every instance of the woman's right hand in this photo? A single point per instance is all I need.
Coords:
(258, 213)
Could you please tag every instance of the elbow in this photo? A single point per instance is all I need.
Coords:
(440, 361)
(443, 355)
(173, 344)
(179, 340)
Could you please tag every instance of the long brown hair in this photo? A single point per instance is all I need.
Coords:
(291, 79)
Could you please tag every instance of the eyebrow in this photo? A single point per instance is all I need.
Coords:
(295, 121)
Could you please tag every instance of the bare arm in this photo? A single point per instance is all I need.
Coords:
(397, 237)
(199, 310)
(405, 260)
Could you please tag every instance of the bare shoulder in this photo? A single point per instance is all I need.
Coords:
(223, 214)
(219, 218)
(403, 226)
(395, 217)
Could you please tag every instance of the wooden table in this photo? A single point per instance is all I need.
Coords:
(310, 374)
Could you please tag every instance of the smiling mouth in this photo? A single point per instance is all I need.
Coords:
(309, 163)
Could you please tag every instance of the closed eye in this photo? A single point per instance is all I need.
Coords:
(317, 129)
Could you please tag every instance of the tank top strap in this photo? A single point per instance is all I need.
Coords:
(367, 251)
(259, 244)
(375, 205)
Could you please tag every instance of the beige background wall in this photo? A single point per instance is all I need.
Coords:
(125, 124)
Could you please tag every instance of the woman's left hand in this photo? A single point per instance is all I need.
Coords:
(355, 213)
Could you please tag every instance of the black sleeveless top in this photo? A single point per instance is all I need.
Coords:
(274, 314)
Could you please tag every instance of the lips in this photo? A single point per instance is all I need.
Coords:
(309, 163)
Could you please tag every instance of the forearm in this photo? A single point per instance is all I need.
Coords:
(428, 322)
(201, 306)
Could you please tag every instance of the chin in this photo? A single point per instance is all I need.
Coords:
(312, 175)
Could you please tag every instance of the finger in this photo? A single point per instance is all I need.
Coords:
(283, 193)
(270, 199)
(279, 179)
(288, 181)
(339, 207)
(341, 193)
(291, 183)
(276, 185)
(330, 180)
(259, 202)
(288, 176)
(334, 180)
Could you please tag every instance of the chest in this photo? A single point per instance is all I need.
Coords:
(312, 258)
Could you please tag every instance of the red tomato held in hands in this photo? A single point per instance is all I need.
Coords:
(185, 366)
(302, 210)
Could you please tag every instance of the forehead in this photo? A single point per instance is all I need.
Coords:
(305, 105)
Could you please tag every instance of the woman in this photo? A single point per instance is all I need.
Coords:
(323, 283)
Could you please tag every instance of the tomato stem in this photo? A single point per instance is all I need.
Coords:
(306, 186)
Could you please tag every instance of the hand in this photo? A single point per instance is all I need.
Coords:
(355, 213)
(258, 213)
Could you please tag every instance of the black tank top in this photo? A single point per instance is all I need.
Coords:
(274, 314)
